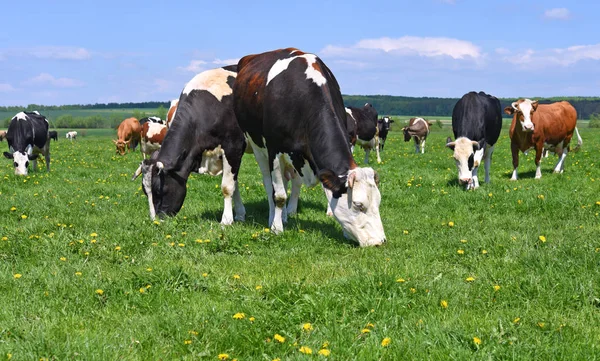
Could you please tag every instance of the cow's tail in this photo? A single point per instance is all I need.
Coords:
(579, 141)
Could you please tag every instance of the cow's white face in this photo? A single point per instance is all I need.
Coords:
(524, 110)
(467, 156)
(358, 210)
(21, 162)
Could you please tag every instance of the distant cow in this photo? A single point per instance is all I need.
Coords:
(367, 133)
(152, 137)
(53, 134)
(418, 129)
(542, 126)
(27, 137)
(171, 112)
(2, 135)
(384, 124)
(476, 123)
(290, 106)
(128, 135)
(152, 119)
(204, 137)
(71, 135)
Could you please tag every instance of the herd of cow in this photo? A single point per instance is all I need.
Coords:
(285, 107)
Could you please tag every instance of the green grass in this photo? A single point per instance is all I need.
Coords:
(309, 274)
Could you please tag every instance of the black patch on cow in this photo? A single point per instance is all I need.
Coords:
(478, 117)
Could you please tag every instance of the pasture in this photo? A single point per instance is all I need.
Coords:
(509, 271)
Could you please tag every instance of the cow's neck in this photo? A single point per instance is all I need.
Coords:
(330, 149)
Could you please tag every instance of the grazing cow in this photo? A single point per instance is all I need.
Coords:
(71, 135)
(128, 135)
(542, 126)
(205, 138)
(476, 123)
(2, 135)
(418, 129)
(384, 124)
(152, 137)
(27, 137)
(53, 134)
(367, 132)
(171, 112)
(289, 105)
(152, 119)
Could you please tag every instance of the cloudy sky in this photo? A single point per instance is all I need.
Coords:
(68, 52)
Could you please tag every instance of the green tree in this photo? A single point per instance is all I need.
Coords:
(161, 112)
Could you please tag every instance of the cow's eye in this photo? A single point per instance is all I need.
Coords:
(471, 161)
(16, 164)
(26, 164)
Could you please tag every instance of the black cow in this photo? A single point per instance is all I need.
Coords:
(476, 123)
(367, 132)
(289, 104)
(205, 138)
(53, 134)
(384, 124)
(27, 137)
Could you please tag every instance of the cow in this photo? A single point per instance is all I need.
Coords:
(542, 126)
(476, 123)
(289, 105)
(53, 134)
(152, 136)
(205, 138)
(152, 119)
(171, 112)
(71, 135)
(367, 132)
(384, 124)
(418, 129)
(128, 135)
(27, 137)
(2, 135)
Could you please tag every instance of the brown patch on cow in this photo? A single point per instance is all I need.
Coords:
(225, 191)
(171, 112)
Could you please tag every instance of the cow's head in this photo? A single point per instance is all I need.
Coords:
(524, 109)
(386, 123)
(467, 154)
(164, 188)
(357, 210)
(406, 134)
(20, 159)
(121, 145)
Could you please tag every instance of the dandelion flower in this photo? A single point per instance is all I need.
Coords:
(444, 303)
(149, 269)
(13, 208)
(205, 274)
(267, 230)
(496, 288)
(63, 259)
(541, 324)
(17, 275)
(386, 342)
(239, 316)
(187, 342)
(99, 292)
(405, 231)
(470, 279)
(413, 290)
(324, 352)
(400, 280)
(476, 340)
(463, 241)
(542, 239)
(117, 248)
(305, 350)
(307, 327)
(279, 338)
(24, 216)
(223, 356)
(142, 290)
(236, 277)
(78, 274)
(483, 251)
(461, 251)
(252, 319)
(258, 287)
(365, 330)
(516, 320)
(450, 224)
(94, 234)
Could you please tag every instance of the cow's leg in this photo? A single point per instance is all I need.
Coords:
(228, 188)
(488, 162)
(538, 160)
(292, 207)
(328, 195)
(34, 165)
(260, 154)
(515, 158)
(377, 149)
(562, 154)
(238, 206)
(367, 152)
(279, 192)
(382, 143)
(423, 146)
(416, 139)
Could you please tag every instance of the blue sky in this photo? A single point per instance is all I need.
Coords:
(70, 52)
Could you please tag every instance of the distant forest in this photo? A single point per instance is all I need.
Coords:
(99, 116)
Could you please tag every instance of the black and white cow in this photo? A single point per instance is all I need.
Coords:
(476, 123)
(205, 138)
(384, 124)
(153, 119)
(367, 132)
(289, 105)
(27, 137)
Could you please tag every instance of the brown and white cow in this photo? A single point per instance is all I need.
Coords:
(541, 126)
(418, 129)
(128, 135)
(171, 112)
(152, 136)
(2, 135)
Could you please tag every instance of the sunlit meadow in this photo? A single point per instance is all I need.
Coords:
(509, 271)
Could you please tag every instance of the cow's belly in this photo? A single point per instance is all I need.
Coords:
(365, 143)
(150, 147)
(306, 173)
(212, 162)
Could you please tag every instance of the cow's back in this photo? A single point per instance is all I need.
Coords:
(477, 116)
(31, 130)
(554, 121)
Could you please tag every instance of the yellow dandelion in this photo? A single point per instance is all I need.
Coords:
(463, 241)
(199, 241)
(252, 319)
(413, 290)
(516, 320)
(99, 292)
(156, 222)
(187, 342)
(223, 356)
(483, 251)
(94, 234)
(405, 231)
(307, 327)
(24, 216)
(444, 303)
(117, 248)
(460, 251)
(490, 195)
(192, 332)
(541, 196)
(142, 290)
(149, 269)
(305, 350)
(542, 239)
(470, 279)
(400, 280)
(239, 316)
(325, 344)
(279, 338)
(324, 352)
(541, 324)
(236, 277)
(258, 287)
(78, 274)
(205, 274)
(5, 238)
(168, 236)
(496, 288)
(476, 340)
(13, 208)
(450, 224)
(365, 330)
(181, 244)
(17, 275)
(275, 359)
(370, 325)
(63, 259)
(386, 342)
(267, 230)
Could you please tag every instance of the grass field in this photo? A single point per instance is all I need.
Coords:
(509, 271)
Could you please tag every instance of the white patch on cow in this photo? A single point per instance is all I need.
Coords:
(212, 161)
(349, 111)
(228, 187)
(262, 158)
(156, 120)
(525, 106)
(147, 184)
(214, 81)
(154, 129)
(71, 135)
(20, 160)
(463, 149)
(20, 116)
(311, 73)
(560, 166)
(357, 211)
(293, 51)
(280, 193)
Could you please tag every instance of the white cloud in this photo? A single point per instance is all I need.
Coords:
(226, 61)
(45, 78)
(410, 45)
(6, 88)
(60, 53)
(451, 2)
(195, 66)
(555, 57)
(198, 66)
(557, 14)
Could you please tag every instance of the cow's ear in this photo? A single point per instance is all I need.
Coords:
(376, 177)
(449, 143)
(8, 155)
(535, 104)
(476, 145)
(509, 110)
(114, 141)
(332, 182)
(32, 156)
